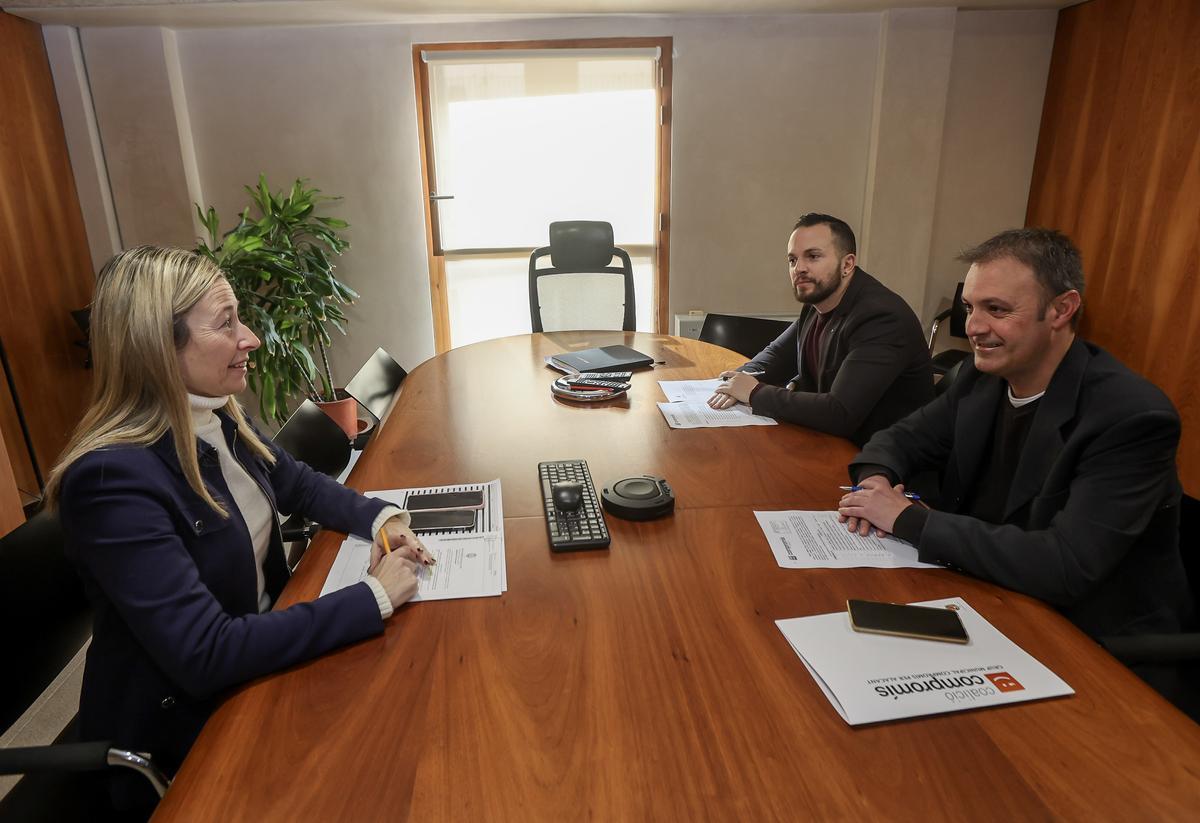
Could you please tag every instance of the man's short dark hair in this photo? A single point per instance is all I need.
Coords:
(1050, 254)
(843, 235)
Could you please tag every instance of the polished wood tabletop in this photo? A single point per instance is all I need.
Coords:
(648, 681)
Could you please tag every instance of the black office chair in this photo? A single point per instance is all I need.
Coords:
(311, 437)
(47, 620)
(580, 247)
(1171, 662)
(947, 359)
(745, 335)
(943, 385)
(377, 383)
(83, 319)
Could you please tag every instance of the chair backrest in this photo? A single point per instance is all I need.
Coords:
(47, 619)
(311, 437)
(956, 313)
(942, 385)
(376, 383)
(45, 612)
(581, 247)
(745, 335)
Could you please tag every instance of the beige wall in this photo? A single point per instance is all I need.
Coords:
(909, 115)
(135, 110)
(83, 135)
(878, 118)
(993, 112)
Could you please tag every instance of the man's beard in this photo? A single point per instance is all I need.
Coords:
(823, 291)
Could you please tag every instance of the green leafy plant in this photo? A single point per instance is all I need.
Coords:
(280, 264)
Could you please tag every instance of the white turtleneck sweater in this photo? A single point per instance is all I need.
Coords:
(252, 502)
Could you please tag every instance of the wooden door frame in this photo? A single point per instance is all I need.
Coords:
(437, 261)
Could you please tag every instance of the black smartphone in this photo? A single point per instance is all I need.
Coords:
(923, 622)
(451, 520)
(445, 500)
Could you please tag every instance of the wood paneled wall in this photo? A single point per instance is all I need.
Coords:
(45, 266)
(11, 514)
(1118, 169)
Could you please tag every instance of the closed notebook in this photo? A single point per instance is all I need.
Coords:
(606, 358)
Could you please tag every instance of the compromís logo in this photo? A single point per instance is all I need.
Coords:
(1005, 682)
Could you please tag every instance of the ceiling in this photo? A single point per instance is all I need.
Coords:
(199, 13)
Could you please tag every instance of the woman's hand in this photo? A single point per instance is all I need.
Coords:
(397, 575)
(402, 542)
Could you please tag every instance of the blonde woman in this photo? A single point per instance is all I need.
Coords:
(170, 501)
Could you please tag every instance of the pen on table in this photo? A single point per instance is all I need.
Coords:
(909, 495)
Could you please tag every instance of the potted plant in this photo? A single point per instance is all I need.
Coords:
(280, 264)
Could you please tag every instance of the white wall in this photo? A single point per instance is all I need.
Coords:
(918, 127)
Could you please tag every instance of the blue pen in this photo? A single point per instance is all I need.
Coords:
(909, 495)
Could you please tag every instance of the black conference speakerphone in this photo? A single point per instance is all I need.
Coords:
(583, 528)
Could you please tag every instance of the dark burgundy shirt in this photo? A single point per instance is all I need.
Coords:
(812, 345)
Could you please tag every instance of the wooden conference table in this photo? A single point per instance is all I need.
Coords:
(649, 681)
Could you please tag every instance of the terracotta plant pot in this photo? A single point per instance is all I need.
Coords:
(344, 412)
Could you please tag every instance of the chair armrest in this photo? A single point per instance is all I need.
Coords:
(64, 757)
(291, 534)
(80, 757)
(141, 764)
(933, 327)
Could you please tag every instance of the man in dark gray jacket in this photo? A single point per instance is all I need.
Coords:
(1057, 462)
(856, 359)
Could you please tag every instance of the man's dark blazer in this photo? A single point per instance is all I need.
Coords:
(175, 591)
(1091, 524)
(874, 366)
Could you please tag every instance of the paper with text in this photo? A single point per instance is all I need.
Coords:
(871, 677)
(691, 414)
(677, 391)
(470, 563)
(467, 565)
(816, 540)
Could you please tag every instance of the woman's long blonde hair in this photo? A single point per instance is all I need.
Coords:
(138, 394)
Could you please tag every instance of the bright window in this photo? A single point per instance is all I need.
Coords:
(521, 139)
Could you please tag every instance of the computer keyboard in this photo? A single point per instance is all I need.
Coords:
(583, 528)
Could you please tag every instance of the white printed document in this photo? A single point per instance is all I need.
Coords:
(696, 414)
(470, 562)
(816, 540)
(870, 678)
(467, 566)
(687, 407)
(677, 391)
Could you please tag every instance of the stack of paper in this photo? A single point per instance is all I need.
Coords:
(870, 677)
(687, 407)
(470, 563)
(816, 540)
